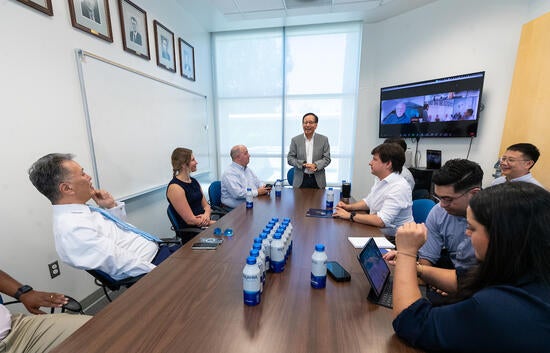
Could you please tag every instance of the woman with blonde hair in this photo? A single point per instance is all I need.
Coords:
(184, 192)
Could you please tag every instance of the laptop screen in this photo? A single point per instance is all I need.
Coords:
(374, 266)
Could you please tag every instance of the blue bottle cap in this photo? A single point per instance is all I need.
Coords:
(330, 188)
(254, 253)
(277, 236)
(257, 246)
(286, 220)
(275, 219)
(263, 235)
(319, 247)
(228, 232)
(217, 231)
(251, 260)
(257, 240)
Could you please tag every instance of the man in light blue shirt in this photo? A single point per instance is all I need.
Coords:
(238, 177)
(516, 164)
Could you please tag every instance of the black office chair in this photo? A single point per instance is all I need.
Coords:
(184, 234)
(107, 282)
(73, 305)
(215, 199)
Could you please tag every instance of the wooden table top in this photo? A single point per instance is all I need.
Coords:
(193, 301)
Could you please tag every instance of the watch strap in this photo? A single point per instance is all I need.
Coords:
(352, 215)
(22, 290)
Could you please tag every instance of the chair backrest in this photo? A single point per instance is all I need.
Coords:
(421, 208)
(215, 193)
(290, 176)
(173, 219)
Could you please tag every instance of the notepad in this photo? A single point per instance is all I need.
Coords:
(319, 212)
(381, 242)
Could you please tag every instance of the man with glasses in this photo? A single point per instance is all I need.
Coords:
(309, 154)
(516, 164)
(447, 244)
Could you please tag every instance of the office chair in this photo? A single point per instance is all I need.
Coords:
(421, 208)
(215, 199)
(290, 176)
(105, 281)
(73, 305)
(184, 234)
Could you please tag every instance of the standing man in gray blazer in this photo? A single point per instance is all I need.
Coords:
(309, 154)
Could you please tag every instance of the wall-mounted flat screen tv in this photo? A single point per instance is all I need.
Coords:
(443, 107)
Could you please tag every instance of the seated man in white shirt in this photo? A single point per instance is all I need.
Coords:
(516, 164)
(34, 333)
(85, 238)
(238, 177)
(390, 200)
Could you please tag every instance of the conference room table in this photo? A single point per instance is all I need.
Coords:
(193, 301)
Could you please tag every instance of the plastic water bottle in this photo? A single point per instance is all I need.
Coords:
(330, 199)
(251, 282)
(255, 252)
(319, 267)
(278, 187)
(249, 198)
(277, 258)
(266, 247)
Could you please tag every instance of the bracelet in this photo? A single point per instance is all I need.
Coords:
(407, 254)
(419, 266)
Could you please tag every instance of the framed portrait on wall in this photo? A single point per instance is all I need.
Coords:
(187, 60)
(133, 23)
(41, 5)
(164, 44)
(92, 16)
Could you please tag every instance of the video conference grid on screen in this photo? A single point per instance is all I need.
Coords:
(445, 107)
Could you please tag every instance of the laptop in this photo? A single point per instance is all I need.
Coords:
(378, 273)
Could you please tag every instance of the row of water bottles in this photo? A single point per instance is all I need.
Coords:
(269, 252)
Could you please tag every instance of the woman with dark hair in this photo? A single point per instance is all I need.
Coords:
(504, 303)
(184, 193)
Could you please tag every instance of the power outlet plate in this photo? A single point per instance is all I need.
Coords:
(54, 269)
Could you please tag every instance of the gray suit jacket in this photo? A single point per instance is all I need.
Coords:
(297, 157)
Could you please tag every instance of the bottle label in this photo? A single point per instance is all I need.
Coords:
(277, 266)
(251, 298)
(330, 205)
(277, 193)
(318, 281)
(249, 204)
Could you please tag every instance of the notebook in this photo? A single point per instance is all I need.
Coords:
(319, 212)
(378, 273)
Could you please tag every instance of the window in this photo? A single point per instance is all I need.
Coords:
(266, 80)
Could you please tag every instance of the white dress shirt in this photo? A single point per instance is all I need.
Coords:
(391, 200)
(5, 322)
(86, 240)
(309, 152)
(406, 173)
(235, 180)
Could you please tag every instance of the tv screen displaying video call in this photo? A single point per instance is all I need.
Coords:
(443, 107)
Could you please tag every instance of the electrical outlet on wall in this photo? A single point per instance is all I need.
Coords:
(54, 269)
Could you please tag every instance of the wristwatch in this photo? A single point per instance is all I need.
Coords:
(351, 215)
(24, 289)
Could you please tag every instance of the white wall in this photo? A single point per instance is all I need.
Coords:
(441, 39)
(42, 112)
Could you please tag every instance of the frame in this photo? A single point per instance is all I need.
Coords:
(187, 60)
(164, 44)
(135, 34)
(92, 16)
(40, 5)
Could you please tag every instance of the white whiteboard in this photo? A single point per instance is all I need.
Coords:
(134, 123)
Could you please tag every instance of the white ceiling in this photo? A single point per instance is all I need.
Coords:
(224, 15)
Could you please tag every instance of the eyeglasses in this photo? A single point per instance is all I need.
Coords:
(511, 160)
(447, 199)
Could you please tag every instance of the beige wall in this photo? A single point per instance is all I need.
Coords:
(527, 118)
